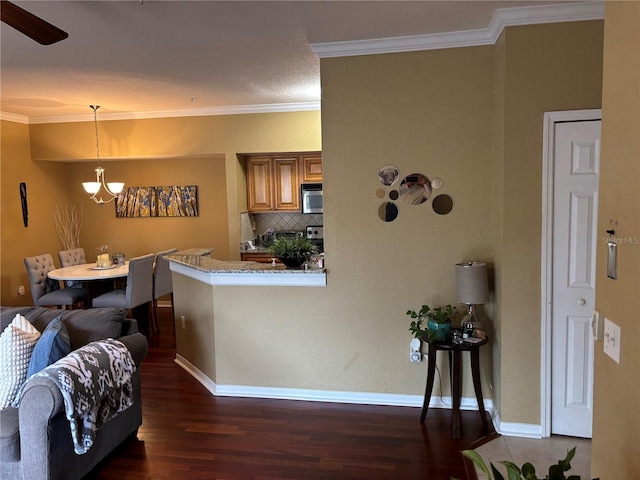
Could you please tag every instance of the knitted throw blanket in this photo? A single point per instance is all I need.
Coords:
(95, 382)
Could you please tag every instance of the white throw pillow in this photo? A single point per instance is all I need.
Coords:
(16, 345)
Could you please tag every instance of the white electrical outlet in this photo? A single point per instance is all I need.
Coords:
(21, 290)
(184, 322)
(414, 354)
(612, 334)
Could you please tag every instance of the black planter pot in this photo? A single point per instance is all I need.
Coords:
(293, 262)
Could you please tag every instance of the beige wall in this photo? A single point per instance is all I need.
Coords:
(46, 185)
(429, 113)
(138, 236)
(546, 68)
(616, 428)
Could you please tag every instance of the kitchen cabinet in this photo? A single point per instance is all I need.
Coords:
(311, 166)
(273, 180)
(273, 183)
(287, 183)
(258, 257)
(259, 184)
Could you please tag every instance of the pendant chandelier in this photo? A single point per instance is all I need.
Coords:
(112, 189)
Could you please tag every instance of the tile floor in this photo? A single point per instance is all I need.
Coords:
(540, 452)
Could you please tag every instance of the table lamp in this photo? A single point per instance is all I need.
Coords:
(472, 288)
(247, 235)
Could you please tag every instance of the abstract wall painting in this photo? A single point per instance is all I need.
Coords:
(171, 201)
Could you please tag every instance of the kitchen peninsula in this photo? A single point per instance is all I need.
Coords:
(198, 265)
(237, 323)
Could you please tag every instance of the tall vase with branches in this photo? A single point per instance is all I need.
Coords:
(68, 220)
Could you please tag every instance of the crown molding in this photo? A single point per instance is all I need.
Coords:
(198, 112)
(14, 117)
(505, 17)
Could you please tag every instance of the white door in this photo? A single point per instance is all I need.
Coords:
(575, 206)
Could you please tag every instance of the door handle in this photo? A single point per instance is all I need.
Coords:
(582, 301)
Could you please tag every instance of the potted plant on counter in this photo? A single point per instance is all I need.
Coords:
(293, 252)
(437, 325)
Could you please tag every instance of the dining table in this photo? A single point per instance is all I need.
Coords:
(96, 280)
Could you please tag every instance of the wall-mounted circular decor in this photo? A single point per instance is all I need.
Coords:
(415, 189)
(393, 194)
(442, 204)
(388, 212)
(436, 183)
(381, 193)
(389, 175)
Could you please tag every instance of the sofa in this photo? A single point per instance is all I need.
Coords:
(35, 437)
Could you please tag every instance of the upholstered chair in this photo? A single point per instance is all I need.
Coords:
(139, 289)
(162, 283)
(69, 258)
(46, 291)
(75, 256)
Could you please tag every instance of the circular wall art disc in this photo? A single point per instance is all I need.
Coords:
(388, 212)
(415, 189)
(389, 175)
(442, 204)
(436, 183)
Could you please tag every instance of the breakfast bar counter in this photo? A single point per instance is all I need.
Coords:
(197, 264)
(235, 321)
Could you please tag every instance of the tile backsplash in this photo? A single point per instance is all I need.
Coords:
(285, 221)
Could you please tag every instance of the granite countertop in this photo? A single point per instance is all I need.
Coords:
(199, 259)
(259, 249)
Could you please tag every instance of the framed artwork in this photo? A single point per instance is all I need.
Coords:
(170, 201)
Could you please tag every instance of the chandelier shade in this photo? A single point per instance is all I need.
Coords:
(111, 189)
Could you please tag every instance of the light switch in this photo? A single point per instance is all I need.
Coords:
(612, 333)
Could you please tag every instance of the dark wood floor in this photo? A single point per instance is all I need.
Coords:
(189, 434)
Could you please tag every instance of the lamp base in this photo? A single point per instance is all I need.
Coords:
(470, 323)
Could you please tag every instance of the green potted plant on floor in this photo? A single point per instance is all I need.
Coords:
(527, 472)
(292, 252)
(431, 324)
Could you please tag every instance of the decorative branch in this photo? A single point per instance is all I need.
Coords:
(68, 220)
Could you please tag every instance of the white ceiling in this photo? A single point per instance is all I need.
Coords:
(159, 58)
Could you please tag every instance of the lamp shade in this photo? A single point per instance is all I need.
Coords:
(246, 230)
(472, 286)
(91, 187)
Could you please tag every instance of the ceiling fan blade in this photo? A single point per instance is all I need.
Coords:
(33, 27)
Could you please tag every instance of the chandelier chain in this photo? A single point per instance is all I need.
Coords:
(95, 122)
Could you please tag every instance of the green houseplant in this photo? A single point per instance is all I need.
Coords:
(292, 252)
(527, 472)
(431, 324)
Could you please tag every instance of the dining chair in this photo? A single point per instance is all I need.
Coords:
(139, 288)
(74, 256)
(71, 257)
(46, 291)
(162, 283)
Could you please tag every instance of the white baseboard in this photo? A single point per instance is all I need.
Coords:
(333, 396)
(196, 373)
(512, 429)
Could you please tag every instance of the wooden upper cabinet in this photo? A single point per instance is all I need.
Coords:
(273, 180)
(311, 168)
(259, 184)
(286, 183)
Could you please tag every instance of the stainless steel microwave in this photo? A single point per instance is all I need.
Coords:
(311, 197)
